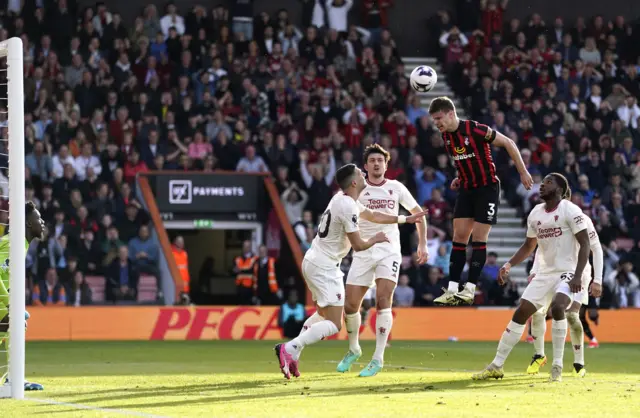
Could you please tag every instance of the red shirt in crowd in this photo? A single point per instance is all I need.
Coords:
(399, 133)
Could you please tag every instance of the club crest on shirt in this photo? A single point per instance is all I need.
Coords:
(354, 219)
(555, 218)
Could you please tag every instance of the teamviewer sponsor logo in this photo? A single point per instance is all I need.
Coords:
(180, 192)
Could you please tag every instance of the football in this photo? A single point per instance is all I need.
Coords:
(423, 78)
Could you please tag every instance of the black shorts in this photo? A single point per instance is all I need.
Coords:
(480, 204)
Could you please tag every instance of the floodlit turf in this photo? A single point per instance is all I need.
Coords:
(242, 379)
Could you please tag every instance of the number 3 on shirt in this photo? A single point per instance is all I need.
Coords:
(326, 220)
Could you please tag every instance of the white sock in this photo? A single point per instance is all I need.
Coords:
(471, 287)
(577, 337)
(538, 329)
(315, 333)
(510, 338)
(384, 322)
(453, 286)
(307, 324)
(352, 323)
(558, 336)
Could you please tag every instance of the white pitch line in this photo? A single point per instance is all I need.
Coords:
(96, 408)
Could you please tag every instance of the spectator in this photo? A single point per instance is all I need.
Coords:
(89, 253)
(624, 284)
(428, 179)
(144, 253)
(39, 163)
(172, 20)
(337, 15)
(122, 278)
(80, 292)
(292, 316)
(294, 200)
(182, 262)
(252, 163)
(265, 284)
(432, 288)
(404, 295)
(49, 292)
(87, 164)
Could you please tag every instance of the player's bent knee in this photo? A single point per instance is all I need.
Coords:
(573, 318)
(558, 310)
(523, 312)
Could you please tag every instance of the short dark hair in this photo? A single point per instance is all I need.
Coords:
(376, 149)
(441, 104)
(564, 185)
(29, 207)
(344, 175)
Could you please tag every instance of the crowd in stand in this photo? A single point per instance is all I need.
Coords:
(237, 89)
(567, 93)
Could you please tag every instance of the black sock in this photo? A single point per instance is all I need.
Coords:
(478, 258)
(456, 261)
(585, 323)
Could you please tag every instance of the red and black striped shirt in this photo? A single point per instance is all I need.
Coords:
(469, 148)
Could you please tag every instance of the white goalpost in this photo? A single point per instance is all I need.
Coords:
(12, 50)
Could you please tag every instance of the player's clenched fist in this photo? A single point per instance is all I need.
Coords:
(503, 274)
(455, 184)
(380, 237)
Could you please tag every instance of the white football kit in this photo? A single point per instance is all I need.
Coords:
(598, 266)
(321, 264)
(558, 248)
(382, 261)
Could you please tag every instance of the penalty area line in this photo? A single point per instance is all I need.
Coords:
(95, 408)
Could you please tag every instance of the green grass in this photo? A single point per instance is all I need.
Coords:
(242, 379)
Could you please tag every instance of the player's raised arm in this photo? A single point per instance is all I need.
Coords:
(500, 140)
(384, 218)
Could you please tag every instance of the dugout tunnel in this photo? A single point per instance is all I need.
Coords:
(214, 213)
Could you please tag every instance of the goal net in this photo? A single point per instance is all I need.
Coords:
(12, 203)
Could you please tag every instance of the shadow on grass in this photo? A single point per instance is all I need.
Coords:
(191, 394)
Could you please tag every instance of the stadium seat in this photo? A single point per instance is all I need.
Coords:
(147, 289)
(97, 284)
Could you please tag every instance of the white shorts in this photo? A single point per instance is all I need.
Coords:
(582, 296)
(541, 290)
(365, 269)
(326, 285)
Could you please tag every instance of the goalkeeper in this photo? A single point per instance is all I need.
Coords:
(34, 230)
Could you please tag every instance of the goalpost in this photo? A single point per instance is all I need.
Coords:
(13, 138)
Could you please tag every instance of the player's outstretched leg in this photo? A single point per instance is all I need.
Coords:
(558, 334)
(538, 329)
(577, 342)
(316, 317)
(509, 339)
(288, 353)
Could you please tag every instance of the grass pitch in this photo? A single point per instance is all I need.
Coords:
(242, 379)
